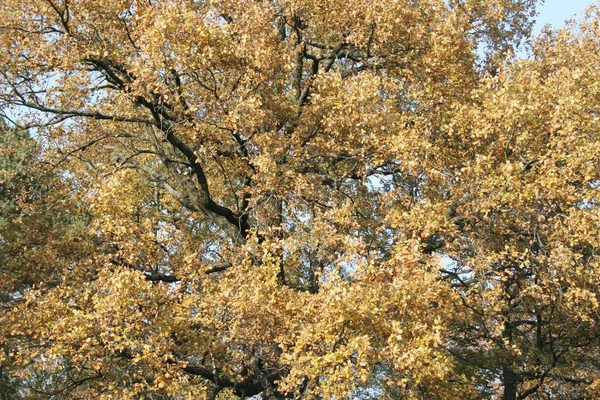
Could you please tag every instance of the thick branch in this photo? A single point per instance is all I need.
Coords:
(235, 225)
(150, 275)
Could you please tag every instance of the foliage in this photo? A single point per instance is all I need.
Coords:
(298, 199)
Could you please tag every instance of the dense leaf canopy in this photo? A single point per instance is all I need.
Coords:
(298, 199)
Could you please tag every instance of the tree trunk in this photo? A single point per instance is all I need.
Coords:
(509, 380)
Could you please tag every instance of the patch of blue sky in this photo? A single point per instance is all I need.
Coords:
(556, 12)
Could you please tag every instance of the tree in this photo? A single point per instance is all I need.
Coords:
(526, 253)
(35, 245)
(302, 199)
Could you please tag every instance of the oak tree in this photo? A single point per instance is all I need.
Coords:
(299, 199)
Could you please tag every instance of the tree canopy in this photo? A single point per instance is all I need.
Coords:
(298, 199)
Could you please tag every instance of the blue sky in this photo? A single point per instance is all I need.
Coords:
(555, 12)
